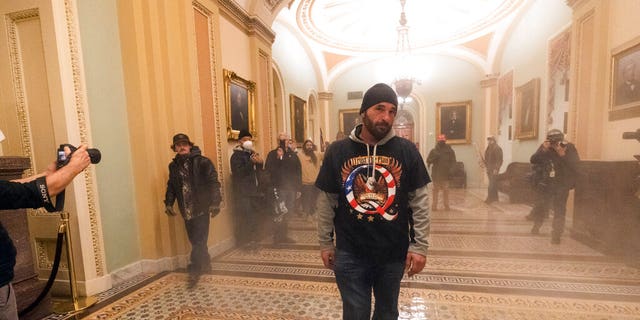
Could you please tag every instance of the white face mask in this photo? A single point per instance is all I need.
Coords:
(248, 145)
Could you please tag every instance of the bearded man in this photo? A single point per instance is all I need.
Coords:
(373, 184)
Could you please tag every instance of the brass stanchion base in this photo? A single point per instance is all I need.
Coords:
(67, 306)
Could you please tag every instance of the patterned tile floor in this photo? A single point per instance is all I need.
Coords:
(483, 264)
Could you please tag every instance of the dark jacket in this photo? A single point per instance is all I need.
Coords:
(204, 184)
(286, 174)
(442, 158)
(493, 158)
(564, 168)
(14, 195)
(244, 173)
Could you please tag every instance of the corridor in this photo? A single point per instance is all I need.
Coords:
(483, 264)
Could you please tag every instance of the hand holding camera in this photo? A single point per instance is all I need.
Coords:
(66, 155)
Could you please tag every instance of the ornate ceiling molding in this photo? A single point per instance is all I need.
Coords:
(354, 25)
(325, 96)
(251, 25)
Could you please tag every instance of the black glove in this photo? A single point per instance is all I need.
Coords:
(213, 211)
(169, 210)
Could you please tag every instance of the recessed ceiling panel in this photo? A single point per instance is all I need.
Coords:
(371, 25)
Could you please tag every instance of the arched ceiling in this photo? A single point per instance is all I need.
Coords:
(358, 26)
(339, 34)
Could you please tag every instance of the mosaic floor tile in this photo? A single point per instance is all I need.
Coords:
(483, 264)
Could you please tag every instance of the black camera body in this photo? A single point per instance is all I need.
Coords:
(63, 159)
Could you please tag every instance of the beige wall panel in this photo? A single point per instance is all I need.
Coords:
(151, 118)
(169, 56)
(36, 93)
(212, 111)
(263, 103)
(582, 99)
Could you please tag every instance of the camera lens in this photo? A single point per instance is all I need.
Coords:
(95, 155)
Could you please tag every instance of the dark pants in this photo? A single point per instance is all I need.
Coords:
(198, 232)
(356, 278)
(492, 194)
(556, 200)
(280, 228)
(248, 218)
(308, 198)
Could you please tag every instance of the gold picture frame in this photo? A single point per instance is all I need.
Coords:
(453, 119)
(349, 118)
(298, 119)
(625, 81)
(527, 107)
(239, 96)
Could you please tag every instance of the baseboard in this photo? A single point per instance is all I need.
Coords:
(147, 266)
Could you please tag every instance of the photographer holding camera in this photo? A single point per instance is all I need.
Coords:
(555, 164)
(32, 192)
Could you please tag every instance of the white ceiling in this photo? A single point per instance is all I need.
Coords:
(365, 26)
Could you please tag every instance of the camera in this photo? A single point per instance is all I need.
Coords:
(63, 159)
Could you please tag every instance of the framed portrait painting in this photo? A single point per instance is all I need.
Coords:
(625, 82)
(298, 119)
(349, 119)
(453, 119)
(527, 102)
(239, 100)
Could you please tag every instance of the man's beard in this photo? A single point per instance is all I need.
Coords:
(308, 151)
(379, 130)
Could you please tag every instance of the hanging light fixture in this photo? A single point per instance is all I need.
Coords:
(404, 82)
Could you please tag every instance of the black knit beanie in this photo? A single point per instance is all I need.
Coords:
(376, 94)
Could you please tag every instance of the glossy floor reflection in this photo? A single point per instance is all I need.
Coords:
(483, 264)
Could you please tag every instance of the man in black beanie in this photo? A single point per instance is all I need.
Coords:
(373, 184)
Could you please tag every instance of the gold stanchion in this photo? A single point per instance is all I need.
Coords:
(77, 304)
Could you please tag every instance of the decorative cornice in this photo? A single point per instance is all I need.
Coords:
(251, 25)
(325, 95)
(490, 80)
(272, 4)
(574, 4)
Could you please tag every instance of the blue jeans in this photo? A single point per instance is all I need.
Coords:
(356, 277)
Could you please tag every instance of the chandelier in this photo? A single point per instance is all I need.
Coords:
(404, 81)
